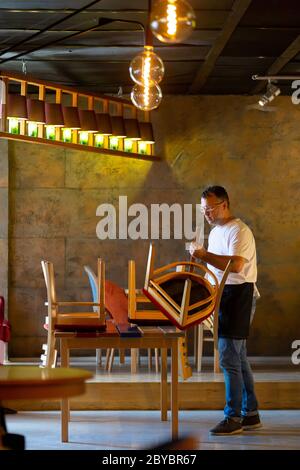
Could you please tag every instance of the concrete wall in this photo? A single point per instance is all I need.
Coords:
(54, 194)
(4, 219)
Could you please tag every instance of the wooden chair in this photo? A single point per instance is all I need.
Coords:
(191, 310)
(110, 352)
(78, 321)
(93, 284)
(140, 308)
(120, 318)
(210, 326)
(141, 311)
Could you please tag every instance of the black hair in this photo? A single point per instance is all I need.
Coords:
(218, 191)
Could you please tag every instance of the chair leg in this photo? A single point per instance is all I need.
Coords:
(216, 361)
(110, 354)
(184, 368)
(134, 358)
(149, 358)
(54, 363)
(156, 353)
(98, 357)
(111, 359)
(51, 354)
(200, 347)
(138, 356)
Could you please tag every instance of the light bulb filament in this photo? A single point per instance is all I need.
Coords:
(146, 71)
(146, 96)
(172, 19)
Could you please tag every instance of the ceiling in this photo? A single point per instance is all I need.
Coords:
(233, 40)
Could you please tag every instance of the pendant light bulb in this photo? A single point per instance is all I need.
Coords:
(146, 98)
(147, 68)
(172, 20)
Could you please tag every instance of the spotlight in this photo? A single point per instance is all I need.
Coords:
(147, 69)
(271, 93)
(172, 21)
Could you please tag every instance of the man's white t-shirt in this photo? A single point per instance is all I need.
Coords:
(234, 239)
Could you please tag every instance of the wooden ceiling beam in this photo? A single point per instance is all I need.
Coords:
(288, 54)
(238, 10)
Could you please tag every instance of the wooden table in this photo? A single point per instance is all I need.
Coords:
(163, 338)
(21, 382)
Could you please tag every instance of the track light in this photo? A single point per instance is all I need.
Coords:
(146, 98)
(270, 94)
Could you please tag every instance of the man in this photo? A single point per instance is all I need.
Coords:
(232, 239)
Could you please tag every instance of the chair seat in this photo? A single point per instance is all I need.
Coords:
(5, 327)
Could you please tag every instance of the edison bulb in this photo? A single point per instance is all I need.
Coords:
(172, 20)
(146, 98)
(147, 69)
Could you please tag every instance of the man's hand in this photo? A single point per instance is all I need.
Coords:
(196, 250)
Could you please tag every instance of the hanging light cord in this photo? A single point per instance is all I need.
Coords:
(51, 43)
(41, 31)
(275, 77)
(24, 68)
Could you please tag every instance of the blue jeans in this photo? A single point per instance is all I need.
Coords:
(239, 384)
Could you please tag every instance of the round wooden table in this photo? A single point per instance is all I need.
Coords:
(21, 382)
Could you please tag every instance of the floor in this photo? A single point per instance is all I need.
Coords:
(132, 430)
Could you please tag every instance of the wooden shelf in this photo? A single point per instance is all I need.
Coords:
(48, 92)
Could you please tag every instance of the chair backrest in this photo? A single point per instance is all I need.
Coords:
(99, 297)
(218, 301)
(140, 308)
(181, 290)
(2, 308)
(93, 283)
(115, 298)
(5, 327)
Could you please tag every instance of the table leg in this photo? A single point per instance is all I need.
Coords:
(133, 354)
(9, 441)
(65, 411)
(199, 329)
(2, 421)
(164, 386)
(174, 388)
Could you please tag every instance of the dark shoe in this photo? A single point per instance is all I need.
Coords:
(9, 411)
(251, 422)
(227, 427)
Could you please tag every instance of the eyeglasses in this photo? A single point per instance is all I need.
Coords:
(209, 210)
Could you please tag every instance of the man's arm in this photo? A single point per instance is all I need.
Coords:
(218, 261)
